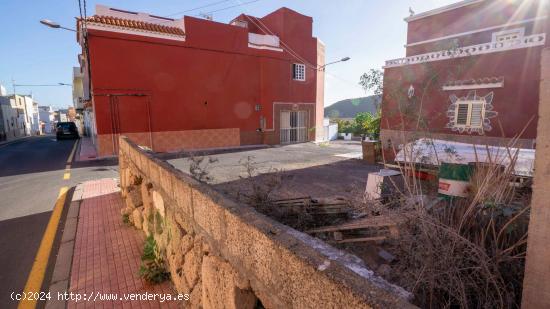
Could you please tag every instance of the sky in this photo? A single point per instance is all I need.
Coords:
(368, 31)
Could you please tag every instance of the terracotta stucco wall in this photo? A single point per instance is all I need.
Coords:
(516, 102)
(484, 14)
(212, 80)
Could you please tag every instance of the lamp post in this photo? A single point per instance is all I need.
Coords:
(322, 68)
(38, 85)
(53, 24)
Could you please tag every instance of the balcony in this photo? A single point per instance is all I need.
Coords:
(264, 41)
(78, 90)
(485, 48)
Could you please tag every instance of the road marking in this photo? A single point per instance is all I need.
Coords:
(38, 270)
(70, 159)
(67, 174)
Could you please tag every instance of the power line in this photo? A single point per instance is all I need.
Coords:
(285, 46)
(233, 6)
(198, 8)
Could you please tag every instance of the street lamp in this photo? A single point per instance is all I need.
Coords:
(36, 85)
(53, 24)
(322, 68)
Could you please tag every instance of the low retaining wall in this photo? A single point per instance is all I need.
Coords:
(227, 255)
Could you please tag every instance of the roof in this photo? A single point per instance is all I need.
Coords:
(135, 24)
(442, 9)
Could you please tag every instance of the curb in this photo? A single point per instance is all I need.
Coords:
(62, 270)
(6, 143)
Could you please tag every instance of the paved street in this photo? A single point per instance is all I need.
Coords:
(32, 172)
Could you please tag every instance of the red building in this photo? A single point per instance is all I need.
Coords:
(471, 74)
(172, 84)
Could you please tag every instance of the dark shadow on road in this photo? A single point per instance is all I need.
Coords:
(43, 154)
(34, 155)
(19, 243)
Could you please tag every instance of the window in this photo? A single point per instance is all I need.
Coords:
(298, 71)
(508, 35)
(469, 114)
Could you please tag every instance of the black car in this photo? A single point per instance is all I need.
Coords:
(66, 130)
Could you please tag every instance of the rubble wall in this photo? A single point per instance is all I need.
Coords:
(227, 255)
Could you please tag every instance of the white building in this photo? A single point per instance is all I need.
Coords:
(36, 127)
(47, 119)
(12, 117)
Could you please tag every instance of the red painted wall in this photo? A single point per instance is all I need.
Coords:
(481, 15)
(212, 80)
(515, 103)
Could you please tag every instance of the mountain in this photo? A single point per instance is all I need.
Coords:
(350, 107)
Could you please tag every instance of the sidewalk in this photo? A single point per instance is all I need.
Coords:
(107, 253)
(86, 151)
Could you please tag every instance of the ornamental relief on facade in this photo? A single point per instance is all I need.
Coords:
(471, 113)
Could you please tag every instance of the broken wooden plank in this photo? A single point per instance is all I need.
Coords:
(361, 239)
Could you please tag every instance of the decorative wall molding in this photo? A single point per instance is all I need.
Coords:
(451, 36)
(472, 50)
(472, 84)
(486, 114)
(103, 27)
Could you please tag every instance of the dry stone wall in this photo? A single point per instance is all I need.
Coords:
(226, 255)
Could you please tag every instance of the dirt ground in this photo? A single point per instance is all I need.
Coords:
(326, 172)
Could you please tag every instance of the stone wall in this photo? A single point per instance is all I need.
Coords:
(226, 255)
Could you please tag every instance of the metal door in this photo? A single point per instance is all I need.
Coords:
(130, 116)
(293, 127)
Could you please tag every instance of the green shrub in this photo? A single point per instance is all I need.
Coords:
(126, 219)
(152, 267)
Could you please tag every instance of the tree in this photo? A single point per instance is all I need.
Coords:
(373, 81)
(367, 124)
(344, 126)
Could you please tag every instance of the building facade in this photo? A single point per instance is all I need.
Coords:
(15, 120)
(47, 119)
(191, 83)
(471, 74)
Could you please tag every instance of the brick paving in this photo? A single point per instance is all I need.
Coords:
(107, 253)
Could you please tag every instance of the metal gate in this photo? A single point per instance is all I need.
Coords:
(293, 127)
(129, 114)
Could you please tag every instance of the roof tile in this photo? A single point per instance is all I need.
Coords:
(134, 24)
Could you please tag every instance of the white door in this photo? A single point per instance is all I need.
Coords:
(293, 127)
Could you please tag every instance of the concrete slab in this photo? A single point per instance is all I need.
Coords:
(70, 230)
(56, 289)
(62, 268)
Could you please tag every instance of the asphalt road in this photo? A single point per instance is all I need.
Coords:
(31, 175)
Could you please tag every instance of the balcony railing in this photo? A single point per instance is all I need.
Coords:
(485, 48)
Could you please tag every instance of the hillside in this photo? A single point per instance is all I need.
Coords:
(350, 107)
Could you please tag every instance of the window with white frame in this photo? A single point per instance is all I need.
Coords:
(469, 114)
(298, 71)
(508, 35)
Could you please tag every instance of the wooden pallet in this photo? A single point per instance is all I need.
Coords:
(314, 206)
(382, 227)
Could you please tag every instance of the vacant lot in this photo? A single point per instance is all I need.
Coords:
(308, 169)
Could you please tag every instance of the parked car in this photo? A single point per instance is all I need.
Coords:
(66, 130)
